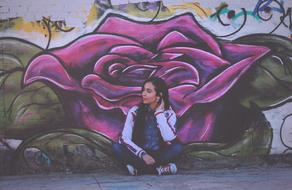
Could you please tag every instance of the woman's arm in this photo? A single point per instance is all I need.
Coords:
(166, 123)
(127, 132)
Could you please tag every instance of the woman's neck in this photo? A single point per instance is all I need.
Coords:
(153, 106)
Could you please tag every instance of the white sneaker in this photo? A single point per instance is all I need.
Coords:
(168, 169)
(132, 171)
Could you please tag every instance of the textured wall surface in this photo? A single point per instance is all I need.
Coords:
(70, 71)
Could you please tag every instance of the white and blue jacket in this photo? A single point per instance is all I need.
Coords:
(166, 120)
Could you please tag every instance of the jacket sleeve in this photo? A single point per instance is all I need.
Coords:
(127, 132)
(166, 123)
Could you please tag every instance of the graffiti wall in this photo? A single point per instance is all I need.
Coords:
(69, 73)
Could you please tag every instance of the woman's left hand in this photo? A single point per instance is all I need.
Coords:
(149, 160)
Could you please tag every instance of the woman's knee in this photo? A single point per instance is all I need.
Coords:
(177, 148)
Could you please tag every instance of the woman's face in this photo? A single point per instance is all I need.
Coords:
(149, 94)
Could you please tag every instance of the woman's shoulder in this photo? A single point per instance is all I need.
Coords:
(169, 112)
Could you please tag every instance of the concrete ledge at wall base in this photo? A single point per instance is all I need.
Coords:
(191, 165)
(186, 165)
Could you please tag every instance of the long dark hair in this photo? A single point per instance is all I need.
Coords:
(139, 123)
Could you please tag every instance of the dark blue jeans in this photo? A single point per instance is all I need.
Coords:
(165, 155)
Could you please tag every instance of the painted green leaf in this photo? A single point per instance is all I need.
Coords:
(270, 81)
(24, 111)
(34, 108)
(278, 44)
(15, 55)
(18, 49)
(255, 142)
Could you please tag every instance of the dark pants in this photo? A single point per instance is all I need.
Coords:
(165, 155)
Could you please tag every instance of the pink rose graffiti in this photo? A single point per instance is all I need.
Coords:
(98, 76)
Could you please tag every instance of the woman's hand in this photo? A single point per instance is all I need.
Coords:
(148, 159)
(160, 106)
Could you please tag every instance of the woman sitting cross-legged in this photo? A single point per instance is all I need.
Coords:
(148, 144)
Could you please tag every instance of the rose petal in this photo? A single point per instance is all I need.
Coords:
(197, 124)
(123, 104)
(89, 48)
(134, 52)
(130, 73)
(205, 62)
(104, 63)
(237, 52)
(219, 85)
(210, 60)
(48, 68)
(135, 71)
(166, 56)
(178, 102)
(151, 34)
(107, 90)
(176, 39)
(123, 70)
(177, 72)
(109, 96)
(109, 123)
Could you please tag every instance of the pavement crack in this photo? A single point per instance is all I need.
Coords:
(98, 184)
(149, 184)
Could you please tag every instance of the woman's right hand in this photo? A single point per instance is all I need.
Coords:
(160, 107)
(148, 159)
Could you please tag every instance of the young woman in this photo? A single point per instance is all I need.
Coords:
(148, 144)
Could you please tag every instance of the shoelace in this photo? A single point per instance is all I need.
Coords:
(165, 170)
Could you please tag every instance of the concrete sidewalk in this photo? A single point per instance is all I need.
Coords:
(220, 179)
